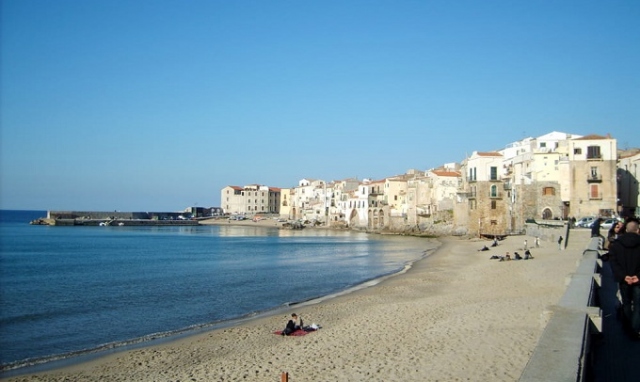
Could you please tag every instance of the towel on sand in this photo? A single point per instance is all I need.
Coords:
(298, 332)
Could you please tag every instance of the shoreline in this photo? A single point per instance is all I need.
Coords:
(69, 360)
(450, 299)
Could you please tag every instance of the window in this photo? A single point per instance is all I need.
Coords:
(577, 151)
(472, 204)
(594, 173)
(593, 152)
(548, 191)
(494, 173)
(494, 191)
(594, 192)
(493, 204)
(543, 145)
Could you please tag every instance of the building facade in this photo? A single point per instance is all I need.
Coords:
(251, 200)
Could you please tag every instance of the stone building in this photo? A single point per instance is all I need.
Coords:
(592, 172)
(251, 200)
(628, 177)
(482, 191)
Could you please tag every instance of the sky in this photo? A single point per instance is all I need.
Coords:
(158, 105)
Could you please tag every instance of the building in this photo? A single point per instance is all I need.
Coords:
(483, 192)
(628, 176)
(250, 200)
(592, 176)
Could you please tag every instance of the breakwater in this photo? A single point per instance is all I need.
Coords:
(115, 218)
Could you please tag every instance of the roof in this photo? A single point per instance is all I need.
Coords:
(489, 154)
(592, 137)
(455, 174)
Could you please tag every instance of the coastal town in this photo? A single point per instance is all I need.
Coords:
(548, 179)
(556, 176)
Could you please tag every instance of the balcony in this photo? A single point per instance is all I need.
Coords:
(495, 195)
(594, 178)
(595, 196)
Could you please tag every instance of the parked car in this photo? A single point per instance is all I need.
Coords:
(608, 223)
(585, 222)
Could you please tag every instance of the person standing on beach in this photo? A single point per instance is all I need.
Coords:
(560, 243)
(537, 242)
(625, 265)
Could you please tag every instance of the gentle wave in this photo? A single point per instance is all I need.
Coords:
(28, 365)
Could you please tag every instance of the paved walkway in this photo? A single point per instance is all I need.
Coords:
(615, 355)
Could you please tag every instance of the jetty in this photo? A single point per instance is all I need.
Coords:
(115, 218)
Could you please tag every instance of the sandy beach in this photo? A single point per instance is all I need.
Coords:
(454, 316)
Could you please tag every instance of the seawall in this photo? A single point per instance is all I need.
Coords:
(114, 218)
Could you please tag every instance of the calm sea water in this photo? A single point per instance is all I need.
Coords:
(66, 291)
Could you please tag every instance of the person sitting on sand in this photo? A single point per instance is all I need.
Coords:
(495, 242)
(517, 256)
(527, 255)
(484, 248)
(507, 257)
(295, 323)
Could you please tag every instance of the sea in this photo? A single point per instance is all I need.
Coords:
(68, 293)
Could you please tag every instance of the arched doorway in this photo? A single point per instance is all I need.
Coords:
(547, 214)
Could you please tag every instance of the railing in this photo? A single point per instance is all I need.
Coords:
(594, 178)
(563, 351)
(597, 196)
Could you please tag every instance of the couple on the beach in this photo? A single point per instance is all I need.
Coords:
(295, 323)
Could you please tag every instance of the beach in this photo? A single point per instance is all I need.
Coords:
(454, 316)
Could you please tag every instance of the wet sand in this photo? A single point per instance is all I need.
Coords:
(454, 316)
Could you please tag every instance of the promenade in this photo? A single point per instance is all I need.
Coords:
(615, 355)
(585, 340)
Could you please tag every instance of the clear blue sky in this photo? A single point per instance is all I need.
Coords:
(157, 105)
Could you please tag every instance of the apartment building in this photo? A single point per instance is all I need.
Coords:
(628, 177)
(482, 191)
(592, 173)
(250, 200)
